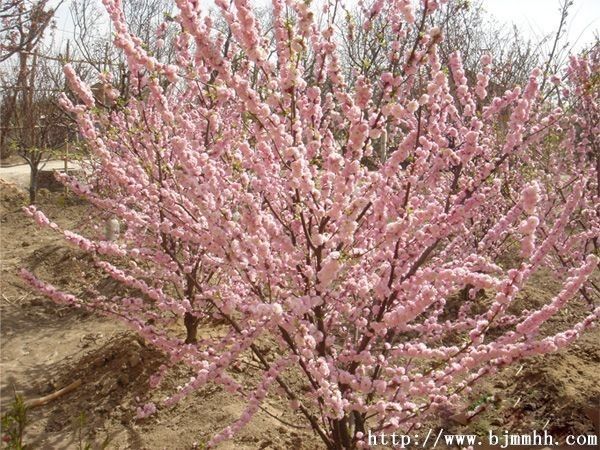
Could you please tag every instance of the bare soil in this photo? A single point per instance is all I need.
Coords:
(46, 347)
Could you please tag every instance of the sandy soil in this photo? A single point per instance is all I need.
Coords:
(46, 347)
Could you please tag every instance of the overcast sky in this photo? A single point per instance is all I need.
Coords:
(536, 18)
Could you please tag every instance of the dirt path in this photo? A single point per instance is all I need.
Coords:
(19, 174)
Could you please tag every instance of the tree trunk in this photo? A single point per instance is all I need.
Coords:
(33, 185)
(191, 327)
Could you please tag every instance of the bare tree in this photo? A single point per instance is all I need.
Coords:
(148, 19)
(468, 28)
(23, 26)
(29, 111)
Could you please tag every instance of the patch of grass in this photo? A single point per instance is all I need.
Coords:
(14, 423)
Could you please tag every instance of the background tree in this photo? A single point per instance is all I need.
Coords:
(23, 26)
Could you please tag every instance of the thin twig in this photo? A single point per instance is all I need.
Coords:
(51, 397)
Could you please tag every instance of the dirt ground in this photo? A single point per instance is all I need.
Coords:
(46, 347)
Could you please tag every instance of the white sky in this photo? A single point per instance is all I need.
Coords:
(536, 18)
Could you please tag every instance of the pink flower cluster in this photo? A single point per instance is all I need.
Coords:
(353, 224)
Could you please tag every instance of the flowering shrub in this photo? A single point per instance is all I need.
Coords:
(375, 237)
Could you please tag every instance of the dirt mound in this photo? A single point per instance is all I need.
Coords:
(11, 196)
(113, 371)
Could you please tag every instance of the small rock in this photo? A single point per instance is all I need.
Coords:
(134, 360)
(107, 388)
(123, 379)
(47, 389)
(461, 418)
(36, 302)
(89, 338)
(25, 244)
